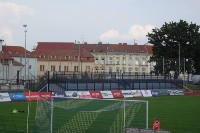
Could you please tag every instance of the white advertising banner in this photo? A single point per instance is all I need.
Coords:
(175, 92)
(136, 93)
(127, 93)
(4, 97)
(106, 94)
(72, 94)
(84, 94)
(146, 93)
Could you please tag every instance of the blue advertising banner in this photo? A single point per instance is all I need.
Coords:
(17, 96)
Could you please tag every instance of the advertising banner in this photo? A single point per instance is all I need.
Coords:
(72, 94)
(136, 93)
(146, 93)
(96, 94)
(59, 94)
(45, 95)
(17, 96)
(155, 93)
(4, 97)
(127, 93)
(175, 92)
(84, 94)
(117, 93)
(159, 92)
(106, 94)
(31, 96)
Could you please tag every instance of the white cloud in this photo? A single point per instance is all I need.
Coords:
(137, 32)
(11, 13)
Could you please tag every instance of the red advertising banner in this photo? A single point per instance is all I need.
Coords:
(192, 93)
(96, 94)
(31, 96)
(45, 95)
(117, 93)
(34, 96)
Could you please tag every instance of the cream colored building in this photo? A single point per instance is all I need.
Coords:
(62, 57)
(121, 58)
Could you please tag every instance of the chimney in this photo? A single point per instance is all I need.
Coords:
(1, 43)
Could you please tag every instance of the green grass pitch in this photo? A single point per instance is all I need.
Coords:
(179, 114)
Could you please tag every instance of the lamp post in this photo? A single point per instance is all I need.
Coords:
(25, 31)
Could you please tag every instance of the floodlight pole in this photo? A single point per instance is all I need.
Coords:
(25, 31)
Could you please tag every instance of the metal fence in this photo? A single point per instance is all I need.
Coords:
(111, 81)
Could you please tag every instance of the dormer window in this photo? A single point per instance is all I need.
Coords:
(9, 52)
(67, 57)
(42, 56)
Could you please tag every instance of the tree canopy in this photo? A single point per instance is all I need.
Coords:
(176, 40)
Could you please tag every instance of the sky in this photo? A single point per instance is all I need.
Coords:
(91, 21)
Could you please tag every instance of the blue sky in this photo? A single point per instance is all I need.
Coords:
(108, 21)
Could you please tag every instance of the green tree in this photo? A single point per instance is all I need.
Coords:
(168, 40)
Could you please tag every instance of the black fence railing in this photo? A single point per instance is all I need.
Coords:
(109, 75)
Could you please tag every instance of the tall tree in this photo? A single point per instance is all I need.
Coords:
(176, 47)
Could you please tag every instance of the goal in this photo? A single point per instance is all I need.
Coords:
(64, 115)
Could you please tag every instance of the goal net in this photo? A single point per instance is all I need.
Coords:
(64, 115)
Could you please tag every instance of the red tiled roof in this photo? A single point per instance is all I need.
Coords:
(60, 51)
(118, 48)
(55, 45)
(15, 51)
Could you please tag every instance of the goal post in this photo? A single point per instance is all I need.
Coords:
(65, 115)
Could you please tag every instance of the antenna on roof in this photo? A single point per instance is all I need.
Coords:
(134, 41)
(83, 39)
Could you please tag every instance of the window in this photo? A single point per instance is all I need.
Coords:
(66, 68)
(96, 60)
(59, 68)
(29, 66)
(117, 60)
(129, 70)
(143, 70)
(53, 68)
(87, 68)
(123, 69)
(75, 68)
(102, 60)
(124, 60)
(130, 61)
(143, 61)
(136, 61)
(117, 69)
(110, 60)
(110, 69)
(42, 68)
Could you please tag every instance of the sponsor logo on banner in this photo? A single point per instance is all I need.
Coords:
(136, 93)
(31, 96)
(146, 93)
(106, 94)
(175, 92)
(45, 95)
(18, 96)
(84, 94)
(59, 94)
(4, 97)
(117, 93)
(96, 94)
(127, 93)
(71, 94)
(155, 93)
